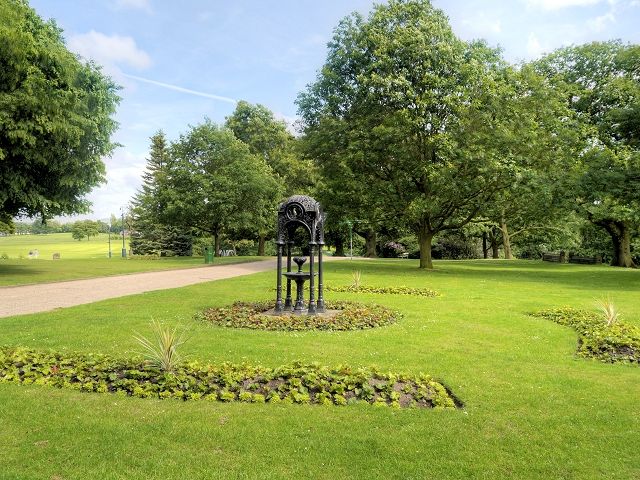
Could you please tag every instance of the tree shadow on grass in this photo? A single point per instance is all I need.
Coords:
(585, 277)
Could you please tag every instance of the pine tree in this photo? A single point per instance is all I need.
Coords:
(150, 235)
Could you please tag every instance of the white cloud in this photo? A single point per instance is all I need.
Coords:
(534, 48)
(134, 4)
(483, 25)
(110, 51)
(560, 4)
(600, 23)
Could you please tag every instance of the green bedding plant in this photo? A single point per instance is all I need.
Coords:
(400, 290)
(296, 383)
(351, 316)
(610, 342)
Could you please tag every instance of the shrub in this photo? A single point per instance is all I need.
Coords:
(400, 290)
(614, 342)
(392, 250)
(296, 383)
(352, 316)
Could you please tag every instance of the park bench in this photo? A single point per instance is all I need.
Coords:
(585, 260)
(554, 257)
(404, 255)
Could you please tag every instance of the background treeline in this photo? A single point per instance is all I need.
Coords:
(418, 143)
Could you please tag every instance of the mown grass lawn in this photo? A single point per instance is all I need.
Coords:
(81, 259)
(532, 410)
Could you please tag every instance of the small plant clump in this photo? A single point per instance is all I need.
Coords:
(161, 351)
(418, 292)
(608, 310)
(607, 341)
(296, 383)
(351, 316)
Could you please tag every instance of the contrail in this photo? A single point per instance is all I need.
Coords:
(181, 89)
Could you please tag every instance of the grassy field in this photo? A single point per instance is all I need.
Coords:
(85, 259)
(532, 410)
(19, 246)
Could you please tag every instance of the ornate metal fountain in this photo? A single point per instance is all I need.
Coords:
(300, 211)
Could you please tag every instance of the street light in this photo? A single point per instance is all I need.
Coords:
(124, 249)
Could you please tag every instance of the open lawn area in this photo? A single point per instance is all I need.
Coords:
(531, 408)
(85, 259)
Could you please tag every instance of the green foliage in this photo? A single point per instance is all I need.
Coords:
(351, 316)
(161, 351)
(394, 290)
(601, 81)
(610, 342)
(55, 124)
(297, 383)
(85, 228)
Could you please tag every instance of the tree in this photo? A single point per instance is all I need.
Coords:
(214, 184)
(603, 88)
(85, 228)
(267, 137)
(150, 236)
(56, 119)
(430, 126)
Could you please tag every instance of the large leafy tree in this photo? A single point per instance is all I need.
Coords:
(430, 125)
(603, 82)
(55, 118)
(268, 138)
(214, 184)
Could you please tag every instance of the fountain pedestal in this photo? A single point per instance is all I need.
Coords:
(299, 277)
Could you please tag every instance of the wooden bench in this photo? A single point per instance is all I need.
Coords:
(585, 260)
(404, 255)
(554, 257)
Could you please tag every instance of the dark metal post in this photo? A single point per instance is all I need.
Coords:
(278, 307)
(124, 249)
(312, 293)
(287, 302)
(320, 308)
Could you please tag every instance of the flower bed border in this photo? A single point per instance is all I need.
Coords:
(400, 290)
(616, 343)
(353, 316)
(296, 383)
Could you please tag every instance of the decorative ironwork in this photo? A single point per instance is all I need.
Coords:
(295, 212)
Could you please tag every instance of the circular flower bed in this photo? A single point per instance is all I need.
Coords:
(340, 316)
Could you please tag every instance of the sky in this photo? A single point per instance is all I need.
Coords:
(179, 62)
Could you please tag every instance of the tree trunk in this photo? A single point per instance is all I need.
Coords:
(339, 248)
(261, 242)
(485, 248)
(216, 245)
(425, 238)
(621, 239)
(506, 241)
(370, 241)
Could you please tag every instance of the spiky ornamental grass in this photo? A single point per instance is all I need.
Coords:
(161, 351)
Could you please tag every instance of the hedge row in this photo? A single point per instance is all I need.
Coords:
(352, 316)
(297, 383)
(614, 343)
(418, 292)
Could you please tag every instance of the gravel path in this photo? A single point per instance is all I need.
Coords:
(49, 296)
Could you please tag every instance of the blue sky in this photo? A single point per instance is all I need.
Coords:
(182, 61)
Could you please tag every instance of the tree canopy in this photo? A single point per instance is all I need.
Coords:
(55, 118)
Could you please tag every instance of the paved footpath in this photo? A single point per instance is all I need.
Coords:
(49, 296)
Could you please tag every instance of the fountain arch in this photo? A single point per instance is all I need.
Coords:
(295, 212)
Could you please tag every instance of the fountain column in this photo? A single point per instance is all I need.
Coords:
(312, 294)
(278, 307)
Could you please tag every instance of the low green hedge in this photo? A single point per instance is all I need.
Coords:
(296, 383)
(352, 316)
(418, 292)
(614, 343)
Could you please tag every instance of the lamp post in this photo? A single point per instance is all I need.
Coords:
(110, 238)
(124, 249)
